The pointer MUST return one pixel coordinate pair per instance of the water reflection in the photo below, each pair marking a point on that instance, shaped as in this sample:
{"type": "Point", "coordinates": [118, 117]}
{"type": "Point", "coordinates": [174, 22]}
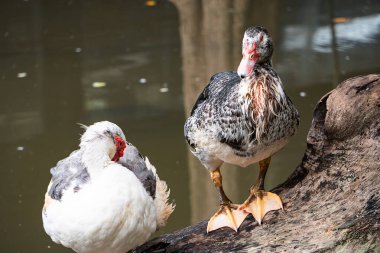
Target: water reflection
{"type": "Point", "coordinates": [203, 26]}
{"type": "Point", "coordinates": [349, 33]}
{"type": "Point", "coordinates": [142, 67]}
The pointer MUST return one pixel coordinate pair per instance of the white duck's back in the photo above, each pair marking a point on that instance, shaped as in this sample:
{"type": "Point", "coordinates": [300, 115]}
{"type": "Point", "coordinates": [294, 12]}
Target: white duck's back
{"type": "Point", "coordinates": [110, 213]}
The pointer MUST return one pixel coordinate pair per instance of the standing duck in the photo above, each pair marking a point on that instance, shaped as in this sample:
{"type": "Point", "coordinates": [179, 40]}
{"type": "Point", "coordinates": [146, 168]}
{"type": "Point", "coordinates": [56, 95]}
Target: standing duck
{"type": "Point", "coordinates": [104, 197]}
{"type": "Point", "coordinates": [242, 118]}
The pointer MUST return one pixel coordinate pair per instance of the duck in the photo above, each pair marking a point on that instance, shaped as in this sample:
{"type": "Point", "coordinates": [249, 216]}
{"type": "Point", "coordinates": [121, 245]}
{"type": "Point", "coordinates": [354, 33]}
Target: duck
{"type": "Point", "coordinates": [105, 196]}
{"type": "Point", "coordinates": [243, 117]}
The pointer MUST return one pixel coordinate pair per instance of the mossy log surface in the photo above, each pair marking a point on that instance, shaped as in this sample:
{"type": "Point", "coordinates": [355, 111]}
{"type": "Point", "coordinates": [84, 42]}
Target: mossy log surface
{"type": "Point", "coordinates": [332, 199]}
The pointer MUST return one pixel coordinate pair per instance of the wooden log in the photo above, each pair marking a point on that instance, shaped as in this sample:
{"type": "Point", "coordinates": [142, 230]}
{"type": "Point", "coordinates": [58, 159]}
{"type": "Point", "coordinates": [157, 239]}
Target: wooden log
{"type": "Point", "coordinates": [331, 201]}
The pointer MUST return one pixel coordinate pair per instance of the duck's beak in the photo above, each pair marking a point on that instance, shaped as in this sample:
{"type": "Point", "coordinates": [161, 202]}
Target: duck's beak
{"type": "Point", "coordinates": [246, 66]}
{"type": "Point", "coordinates": [250, 57]}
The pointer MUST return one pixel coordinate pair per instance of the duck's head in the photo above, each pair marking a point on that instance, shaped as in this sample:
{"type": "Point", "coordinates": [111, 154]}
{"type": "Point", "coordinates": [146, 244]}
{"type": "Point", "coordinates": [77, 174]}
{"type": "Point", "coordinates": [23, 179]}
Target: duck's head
{"type": "Point", "coordinates": [105, 137]}
{"type": "Point", "coordinates": [257, 48]}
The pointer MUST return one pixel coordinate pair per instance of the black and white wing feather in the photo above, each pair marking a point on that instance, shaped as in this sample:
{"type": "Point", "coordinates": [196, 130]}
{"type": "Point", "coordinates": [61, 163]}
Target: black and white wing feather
{"type": "Point", "coordinates": [69, 174]}
{"type": "Point", "coordinates": [134, 161]}
{"type": "Point", "coordinates": [218, 109]}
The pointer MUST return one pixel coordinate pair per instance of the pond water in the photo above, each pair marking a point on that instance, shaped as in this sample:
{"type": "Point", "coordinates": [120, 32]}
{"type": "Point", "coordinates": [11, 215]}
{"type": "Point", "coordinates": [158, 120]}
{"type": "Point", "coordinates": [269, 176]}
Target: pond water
{"type": "Point", "coordinates": [141, 64]}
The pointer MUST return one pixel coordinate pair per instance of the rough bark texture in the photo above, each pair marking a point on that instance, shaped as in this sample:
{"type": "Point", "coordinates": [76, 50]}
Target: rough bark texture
{"type": "Point", "coordinates": [331, 201]}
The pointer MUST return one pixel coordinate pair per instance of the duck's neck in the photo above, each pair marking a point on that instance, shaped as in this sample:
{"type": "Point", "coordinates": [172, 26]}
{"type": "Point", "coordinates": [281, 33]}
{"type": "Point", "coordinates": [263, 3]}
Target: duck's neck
{"type": "Point", "coordinates": [265, 64]}
{"type": "Point", "coordinates": [96, 157]}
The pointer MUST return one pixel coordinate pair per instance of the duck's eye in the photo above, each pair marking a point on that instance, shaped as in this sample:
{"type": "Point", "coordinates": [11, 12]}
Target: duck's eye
{"type": "Point", "coordinates": [251, 56]}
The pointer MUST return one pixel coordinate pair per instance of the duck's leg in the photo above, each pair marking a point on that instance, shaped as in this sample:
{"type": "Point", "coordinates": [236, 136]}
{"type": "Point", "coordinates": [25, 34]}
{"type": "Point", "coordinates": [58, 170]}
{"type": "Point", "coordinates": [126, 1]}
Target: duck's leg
{"type": "Point", "coordinates": [259, 201]}
{"type": "Point", "coordinates": [228, 214]}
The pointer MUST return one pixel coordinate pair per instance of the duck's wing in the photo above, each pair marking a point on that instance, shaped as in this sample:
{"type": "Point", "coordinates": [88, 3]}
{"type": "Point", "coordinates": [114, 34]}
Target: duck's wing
{"type": "Point", "coordinates": [135, 162]}
{"type": "Point", "coordinates": [69, 173]}
{"type": "Point", "coordinates": [218, 83]}
{"type": "Point", "coordinates": [234, 127]}
{"type": "Point", "coordinates": [147, 174]}
{"type": "Point", "coordinates": [219, 108]}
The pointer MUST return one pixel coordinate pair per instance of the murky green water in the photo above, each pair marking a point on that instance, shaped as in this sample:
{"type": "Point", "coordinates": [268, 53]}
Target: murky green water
{"type": "Point", "coordinates": [63, 62]}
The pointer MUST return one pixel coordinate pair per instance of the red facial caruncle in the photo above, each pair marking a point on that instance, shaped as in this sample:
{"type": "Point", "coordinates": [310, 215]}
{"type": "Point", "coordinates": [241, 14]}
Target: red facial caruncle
{"type": "Point", "coordinates": [120, 146]}
{"type": "Point", "coordinates": [252, 53]}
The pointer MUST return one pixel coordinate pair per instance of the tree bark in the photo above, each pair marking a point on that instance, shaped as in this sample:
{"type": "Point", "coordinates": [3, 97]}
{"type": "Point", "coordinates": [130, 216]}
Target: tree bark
{"type": "Point", "coordinates": [332, 199]}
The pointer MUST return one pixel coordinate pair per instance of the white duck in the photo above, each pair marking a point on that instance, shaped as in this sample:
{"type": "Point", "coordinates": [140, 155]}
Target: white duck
{"type": "Point", "coordinates": [96, 203]}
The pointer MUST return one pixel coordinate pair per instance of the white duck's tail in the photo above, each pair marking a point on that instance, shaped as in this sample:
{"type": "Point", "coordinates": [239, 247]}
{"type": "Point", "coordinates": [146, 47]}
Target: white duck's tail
{"type": "Point", "coordinates": [163, 208]}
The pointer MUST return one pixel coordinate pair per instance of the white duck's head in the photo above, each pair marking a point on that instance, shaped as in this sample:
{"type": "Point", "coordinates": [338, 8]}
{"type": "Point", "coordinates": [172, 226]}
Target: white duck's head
{"type": "Point", "coordinates": [103, 138]}
{"type": "Point", "coordinates": [257, 48]}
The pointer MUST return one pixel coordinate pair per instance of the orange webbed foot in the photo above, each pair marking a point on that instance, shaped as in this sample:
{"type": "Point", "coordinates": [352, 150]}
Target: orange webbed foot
{"type": "Point", "coordinates": [228, 215]}
{"type": "Point", "coordinates": [260, 202]}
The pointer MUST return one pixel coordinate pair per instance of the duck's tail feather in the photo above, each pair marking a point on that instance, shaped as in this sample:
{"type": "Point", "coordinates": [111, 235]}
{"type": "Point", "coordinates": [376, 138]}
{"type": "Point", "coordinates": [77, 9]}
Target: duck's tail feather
{"type": "Point", "coordinates": [163, 207]}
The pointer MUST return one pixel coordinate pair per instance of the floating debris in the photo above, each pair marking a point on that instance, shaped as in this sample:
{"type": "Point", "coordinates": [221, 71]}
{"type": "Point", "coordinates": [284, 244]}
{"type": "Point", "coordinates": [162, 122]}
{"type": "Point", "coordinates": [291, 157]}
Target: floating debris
{"type": "Point", "coordinates": [347, 58]}
{"type": "Point", "coordinates": [164, 88]}
{"type": "Point", "coordinates": [340, 20]}
{"type": "Point", "coordinates": [150, 3]}
{"type": "Point", "coordinates": [78, 50]}
{"type": "Point", "coordinates": [302, 94]}
{"type": "Point", "coordinates": [20, 148]}
{"type": "Point", "coordinates": [142, 80]}
{"type": "Point", "coordinates": [6, 34]}
{"type": "Point", "coordinates": [99, 84]}
{"type": "Point", "coordinates": [22, 74]}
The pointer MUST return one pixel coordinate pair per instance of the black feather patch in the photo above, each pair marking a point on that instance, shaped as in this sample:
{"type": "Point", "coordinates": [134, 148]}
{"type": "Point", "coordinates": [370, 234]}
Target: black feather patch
{"type": "Point", "coordinates": [233, 143]}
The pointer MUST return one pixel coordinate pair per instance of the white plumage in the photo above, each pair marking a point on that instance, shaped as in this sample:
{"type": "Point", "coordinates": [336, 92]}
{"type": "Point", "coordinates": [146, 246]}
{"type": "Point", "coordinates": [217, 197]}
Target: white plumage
{"type": "Point", "coordinates": [108, 209]}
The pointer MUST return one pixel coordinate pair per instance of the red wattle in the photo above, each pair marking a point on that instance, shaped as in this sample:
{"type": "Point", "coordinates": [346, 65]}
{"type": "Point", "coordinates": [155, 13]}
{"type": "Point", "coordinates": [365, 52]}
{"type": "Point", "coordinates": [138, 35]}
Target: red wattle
{"type": "Point", "coordinates": [120, 146]}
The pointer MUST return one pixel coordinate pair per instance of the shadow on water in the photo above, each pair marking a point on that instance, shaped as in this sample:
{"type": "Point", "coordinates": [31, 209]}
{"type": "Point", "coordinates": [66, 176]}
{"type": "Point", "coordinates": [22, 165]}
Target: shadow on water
{"type": "Point", "coordinates": [142, 67]}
